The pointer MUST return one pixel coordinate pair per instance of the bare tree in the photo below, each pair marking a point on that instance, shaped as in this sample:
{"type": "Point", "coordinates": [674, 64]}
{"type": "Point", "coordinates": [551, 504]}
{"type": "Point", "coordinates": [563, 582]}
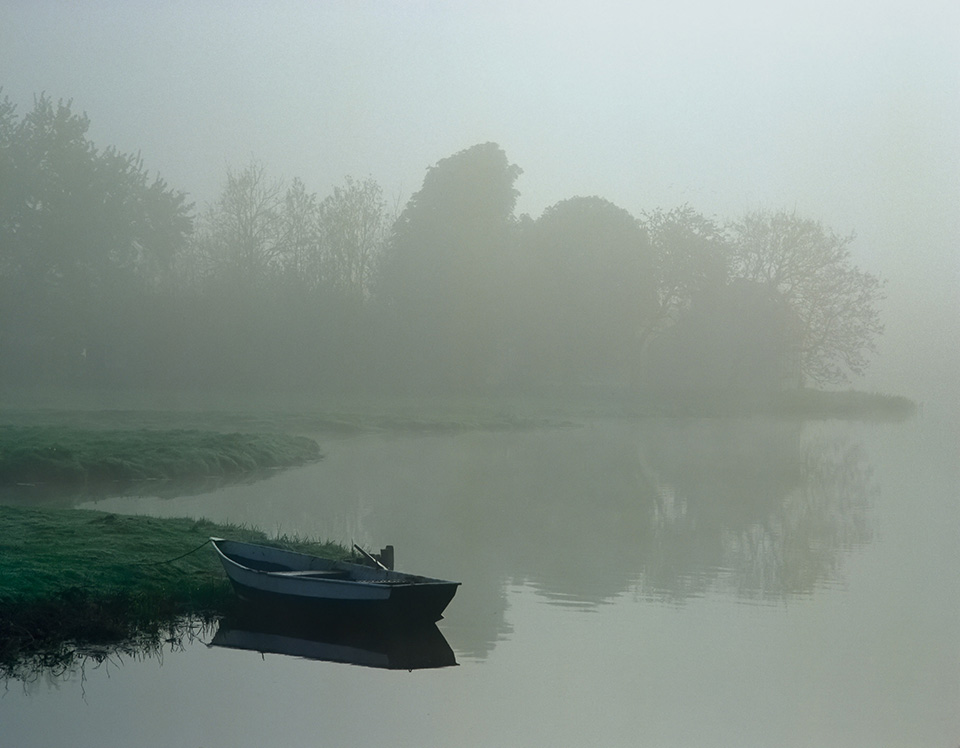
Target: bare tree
{"type": "Point", "coordinates": [242, 230]}
{"type": "Point", "coordinates": [808, 266]}
{"type": "Point", "coordinates": [299, 240]}
{"type": "Point", "coordinates": [353, 225]}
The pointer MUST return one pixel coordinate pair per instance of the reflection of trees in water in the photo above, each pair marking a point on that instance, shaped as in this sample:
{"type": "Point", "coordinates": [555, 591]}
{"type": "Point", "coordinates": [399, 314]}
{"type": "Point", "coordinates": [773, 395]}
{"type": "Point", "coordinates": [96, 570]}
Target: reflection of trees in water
{"type": "Point", "coordinates": [668, 509]}
{"type": "Point", "coordinates": [758, 507]}
{"type": "Point", "coordinates": [542, 508]}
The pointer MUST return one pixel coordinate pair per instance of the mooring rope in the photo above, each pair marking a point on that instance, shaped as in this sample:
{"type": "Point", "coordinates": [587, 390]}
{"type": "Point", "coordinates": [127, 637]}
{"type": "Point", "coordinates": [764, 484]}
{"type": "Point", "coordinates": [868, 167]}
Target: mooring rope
{"type": "Point", "coordinates": [171, 560]}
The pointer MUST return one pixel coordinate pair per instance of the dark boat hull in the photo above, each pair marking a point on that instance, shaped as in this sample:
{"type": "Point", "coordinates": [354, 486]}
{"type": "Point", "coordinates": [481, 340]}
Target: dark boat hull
{"type": "Point", "coordinates": [332, 590]}
{"type": "Point", "coordinates": [411, 605]}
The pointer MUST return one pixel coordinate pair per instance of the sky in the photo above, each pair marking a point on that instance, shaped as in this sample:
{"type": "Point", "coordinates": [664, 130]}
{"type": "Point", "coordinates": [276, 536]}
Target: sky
{"type": "Point", "coordinates": [845, 111]}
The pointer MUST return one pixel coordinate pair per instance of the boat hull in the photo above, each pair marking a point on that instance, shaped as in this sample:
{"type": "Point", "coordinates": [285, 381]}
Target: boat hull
{"type": "Point", "coordinates": [328, 589]}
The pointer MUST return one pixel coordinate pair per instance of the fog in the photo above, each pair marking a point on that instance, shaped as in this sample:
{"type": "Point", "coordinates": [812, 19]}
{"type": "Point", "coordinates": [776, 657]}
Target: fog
{"type": "Point", "coordinates": [845, 113]}
{"type": "Point", "coordinates": [468, 238]}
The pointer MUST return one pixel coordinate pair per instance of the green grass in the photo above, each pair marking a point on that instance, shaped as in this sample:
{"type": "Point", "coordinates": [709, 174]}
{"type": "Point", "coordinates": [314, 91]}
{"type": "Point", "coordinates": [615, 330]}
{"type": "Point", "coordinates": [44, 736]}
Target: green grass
{"type": "Point", "coordinates": [72, 578]}
{"type": "Point", "coordinates": [70, 455]}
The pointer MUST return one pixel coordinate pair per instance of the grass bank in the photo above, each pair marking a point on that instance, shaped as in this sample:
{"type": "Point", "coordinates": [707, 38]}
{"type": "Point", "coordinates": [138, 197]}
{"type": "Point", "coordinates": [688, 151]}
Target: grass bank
{"type": "Point", "coordinates": [74, 578]}
{"type": "Point", "coordinates": [803, 404]}
{"type": "Point", "coordinates": [560, 407]}
{"type": "Point", "coordinates": [549, 407]}
{"type": "Point", "coordinates": [64, 454]}
{"type": "Point", "coordinates": [844, 405]}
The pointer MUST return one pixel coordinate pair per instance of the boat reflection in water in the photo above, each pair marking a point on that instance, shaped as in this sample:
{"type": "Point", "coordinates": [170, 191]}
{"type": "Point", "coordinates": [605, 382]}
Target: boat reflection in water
{"type": "Point", "coordinates": [397, 648]}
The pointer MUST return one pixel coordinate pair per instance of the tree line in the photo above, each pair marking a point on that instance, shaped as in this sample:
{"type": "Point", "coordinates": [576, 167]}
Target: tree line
{"type": "Point", "coordinates": [111, 277]}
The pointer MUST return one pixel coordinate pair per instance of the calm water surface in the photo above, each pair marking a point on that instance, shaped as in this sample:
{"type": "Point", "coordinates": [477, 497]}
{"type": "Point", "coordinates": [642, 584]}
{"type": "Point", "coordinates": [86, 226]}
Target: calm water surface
{"type": "Point", "coordinates": [669, 583]}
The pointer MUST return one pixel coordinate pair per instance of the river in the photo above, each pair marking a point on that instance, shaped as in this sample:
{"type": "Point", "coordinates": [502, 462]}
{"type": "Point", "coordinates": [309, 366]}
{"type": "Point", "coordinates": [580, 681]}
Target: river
{"type": "Point", "coordinates": [715, 582]}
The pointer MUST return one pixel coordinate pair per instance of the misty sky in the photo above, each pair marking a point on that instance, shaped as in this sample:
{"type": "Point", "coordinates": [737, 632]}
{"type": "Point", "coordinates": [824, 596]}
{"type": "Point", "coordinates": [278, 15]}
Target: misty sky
{"type": "Point", "coordinates": [847, 111]}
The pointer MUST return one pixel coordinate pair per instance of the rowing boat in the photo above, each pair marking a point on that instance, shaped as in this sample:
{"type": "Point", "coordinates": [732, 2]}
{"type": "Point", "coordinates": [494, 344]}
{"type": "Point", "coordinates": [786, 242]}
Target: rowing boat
{"type": "Point", "coordinates": [336, 589]}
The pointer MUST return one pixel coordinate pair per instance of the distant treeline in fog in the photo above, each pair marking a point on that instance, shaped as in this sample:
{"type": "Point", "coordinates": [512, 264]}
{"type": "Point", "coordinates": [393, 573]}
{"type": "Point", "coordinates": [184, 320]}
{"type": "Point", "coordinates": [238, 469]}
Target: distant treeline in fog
{"type": "Point", "coordinates": [109, 277]}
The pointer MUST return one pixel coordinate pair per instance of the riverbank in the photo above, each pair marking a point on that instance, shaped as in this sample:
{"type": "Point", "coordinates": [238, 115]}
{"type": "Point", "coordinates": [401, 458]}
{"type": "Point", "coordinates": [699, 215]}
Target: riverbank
{"type": "Point", "coordinates": [318, 415]}
{"type": "Point", "coordinates": [72, 579]}
{"type": "Point", "coordinates": [801, 404]}
{"type": "Point", "coordinates": [68, 454]}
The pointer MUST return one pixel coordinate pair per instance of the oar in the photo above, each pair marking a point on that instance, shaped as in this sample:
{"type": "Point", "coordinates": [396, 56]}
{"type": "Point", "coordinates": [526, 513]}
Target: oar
{"type": "Point", "coordinates": [370, 557]}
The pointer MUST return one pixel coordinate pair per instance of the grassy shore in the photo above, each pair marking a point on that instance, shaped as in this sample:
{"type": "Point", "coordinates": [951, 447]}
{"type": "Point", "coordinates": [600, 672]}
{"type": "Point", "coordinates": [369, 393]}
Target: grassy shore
{"type": "Point", "coordinates": [74, 578]}
{"type": "Point", "coordinates": [64, 454]}
{"type": "Point", "coordinates": [802, 404]}
{"type": "Point", "coordinates": [319, 415]}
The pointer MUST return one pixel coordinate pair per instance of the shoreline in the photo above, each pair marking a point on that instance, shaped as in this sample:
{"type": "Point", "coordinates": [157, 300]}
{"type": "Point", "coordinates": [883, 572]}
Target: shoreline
{"type": "Point", "coordinates": [74, 579]}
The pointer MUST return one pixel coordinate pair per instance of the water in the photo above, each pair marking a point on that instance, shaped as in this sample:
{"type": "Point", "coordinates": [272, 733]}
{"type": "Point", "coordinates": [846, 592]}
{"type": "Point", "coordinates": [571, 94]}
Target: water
{"type": "Point", "coordinates": [673, 583]}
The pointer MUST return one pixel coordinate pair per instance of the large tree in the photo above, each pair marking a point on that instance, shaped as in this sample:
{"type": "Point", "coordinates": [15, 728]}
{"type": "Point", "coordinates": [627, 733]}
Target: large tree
{"type": "Point", "coordinates": [84, 233]}
{"type": "Point", "coordinates": [73, 214]}
{"type": "Point", "coordinates": [589, 288]}
{"type": "Point", "coordinates": [808, 267]}
{"type": "Point", "coordinates": [443, 282]}
{"type": "Point", "coordinates": [689, 261]}
{"type": "Point", "coordinates": [738, 338]}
